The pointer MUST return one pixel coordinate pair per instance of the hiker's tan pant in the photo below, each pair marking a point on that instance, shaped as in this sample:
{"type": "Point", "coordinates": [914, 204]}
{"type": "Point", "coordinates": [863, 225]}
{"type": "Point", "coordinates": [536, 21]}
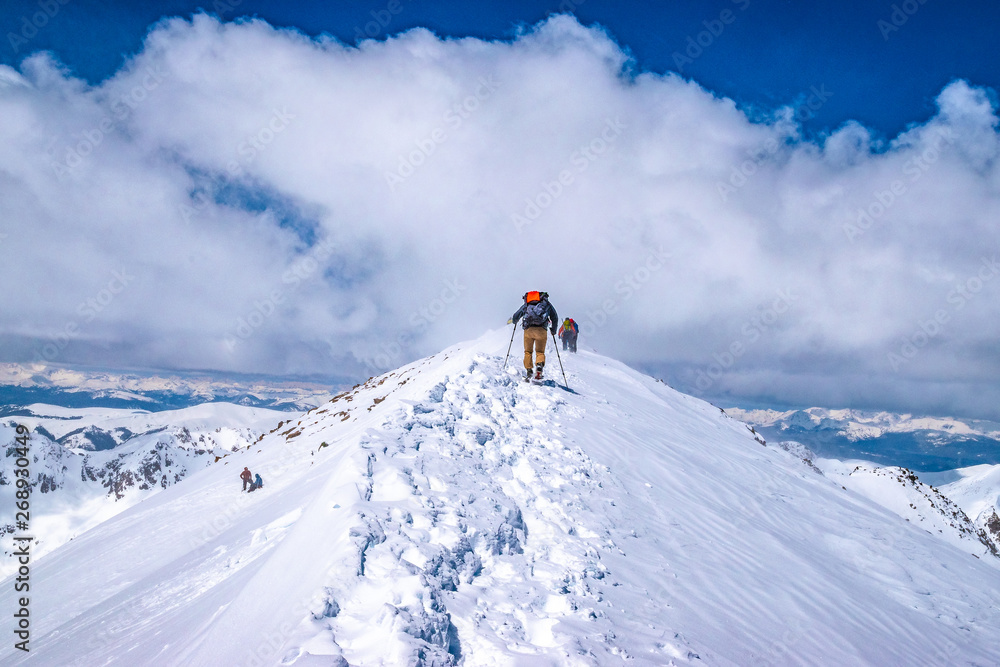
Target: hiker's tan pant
{"type": "Point", "coordinates": [534, 337]}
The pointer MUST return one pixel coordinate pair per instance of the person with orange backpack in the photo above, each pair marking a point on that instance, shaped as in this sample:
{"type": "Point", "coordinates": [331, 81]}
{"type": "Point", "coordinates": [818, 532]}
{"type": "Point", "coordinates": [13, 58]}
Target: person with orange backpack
{"type": "Point", "coordinates": [538, 315]}
{"type": "Point", "coordinates": [568, 333]}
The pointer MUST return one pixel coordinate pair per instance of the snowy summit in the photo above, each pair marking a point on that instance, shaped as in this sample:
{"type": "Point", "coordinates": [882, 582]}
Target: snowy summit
{"type": "Point", "coordinates": [448, 513]}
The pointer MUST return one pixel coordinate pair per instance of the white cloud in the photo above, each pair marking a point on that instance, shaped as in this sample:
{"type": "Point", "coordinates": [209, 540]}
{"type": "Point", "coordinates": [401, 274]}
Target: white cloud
{"type": "Point", "coordinates": [340, 205]}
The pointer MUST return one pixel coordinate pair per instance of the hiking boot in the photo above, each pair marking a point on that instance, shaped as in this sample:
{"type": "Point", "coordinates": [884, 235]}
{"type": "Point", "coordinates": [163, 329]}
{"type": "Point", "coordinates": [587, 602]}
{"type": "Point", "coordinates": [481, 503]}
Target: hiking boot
{"type": "Point", "coordinates": [527, 374]}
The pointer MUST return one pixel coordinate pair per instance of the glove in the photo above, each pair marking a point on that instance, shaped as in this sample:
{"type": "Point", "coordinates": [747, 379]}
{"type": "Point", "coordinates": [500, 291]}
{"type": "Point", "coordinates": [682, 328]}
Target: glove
{"type": "Point", "coordinates": [553, 330]}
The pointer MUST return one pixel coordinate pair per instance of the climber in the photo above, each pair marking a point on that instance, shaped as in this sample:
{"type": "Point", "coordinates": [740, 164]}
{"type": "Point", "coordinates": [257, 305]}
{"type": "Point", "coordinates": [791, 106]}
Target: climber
{"type": "Point", "coordinates": [568, 332]}
{"type": "Point", "coordinates": [538, 315]}
{"type": "Point", "coordinates": [246, 476]}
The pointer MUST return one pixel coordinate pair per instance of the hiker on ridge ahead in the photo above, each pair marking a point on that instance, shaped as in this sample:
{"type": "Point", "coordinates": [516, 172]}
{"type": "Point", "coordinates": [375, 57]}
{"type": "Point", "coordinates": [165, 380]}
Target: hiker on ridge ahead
{"type": "Point", "coordinates": [539, 315]}
{"type": "Point", "coordinates": [568, 333]}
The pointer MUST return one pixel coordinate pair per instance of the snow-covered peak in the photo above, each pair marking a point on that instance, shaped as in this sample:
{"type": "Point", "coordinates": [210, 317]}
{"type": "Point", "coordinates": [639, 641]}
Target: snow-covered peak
{"type": "Point", "coordinates": [447, 513]}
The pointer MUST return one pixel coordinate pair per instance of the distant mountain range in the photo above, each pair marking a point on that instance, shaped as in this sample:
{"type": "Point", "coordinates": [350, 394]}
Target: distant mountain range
{"type": "Point", "coordinates": [89, 464]}
{"type": "Point", "coordinates": [25, 384]}
{"type": "Point", "coordinates": [929, 444]}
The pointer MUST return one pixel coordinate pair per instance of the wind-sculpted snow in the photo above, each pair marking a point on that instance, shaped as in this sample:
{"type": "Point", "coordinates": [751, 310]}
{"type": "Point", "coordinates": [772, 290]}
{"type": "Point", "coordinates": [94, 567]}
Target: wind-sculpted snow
{"type": "Point", "coordinates": [449, 514]}
{"type": "Point", "coordinates": [464, 496]}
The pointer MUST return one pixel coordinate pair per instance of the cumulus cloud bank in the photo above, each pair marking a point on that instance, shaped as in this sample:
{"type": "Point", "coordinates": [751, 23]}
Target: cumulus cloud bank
{"type": "Point", "coordinates": [244, 198]}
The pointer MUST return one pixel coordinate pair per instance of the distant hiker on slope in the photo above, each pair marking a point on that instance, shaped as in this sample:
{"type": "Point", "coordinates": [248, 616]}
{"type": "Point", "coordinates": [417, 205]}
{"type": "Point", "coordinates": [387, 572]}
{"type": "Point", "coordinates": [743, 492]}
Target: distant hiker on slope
{"type": "Point", "coordinates": [539, 315]}
{"type": "Point", "coordinates": [256, 483]}
{"type": "Point", "coordinates": [246, 476]}
{"type": "Point", "coordinates": [568, 333]}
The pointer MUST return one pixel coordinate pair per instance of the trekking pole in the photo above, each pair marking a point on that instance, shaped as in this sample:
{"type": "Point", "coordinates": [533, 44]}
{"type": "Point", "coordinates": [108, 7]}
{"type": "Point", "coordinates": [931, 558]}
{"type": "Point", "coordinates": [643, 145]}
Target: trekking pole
{"type": "Point", "coordinates": [514, 331]}
{"type": "Point", "coordinates": [559, 357]}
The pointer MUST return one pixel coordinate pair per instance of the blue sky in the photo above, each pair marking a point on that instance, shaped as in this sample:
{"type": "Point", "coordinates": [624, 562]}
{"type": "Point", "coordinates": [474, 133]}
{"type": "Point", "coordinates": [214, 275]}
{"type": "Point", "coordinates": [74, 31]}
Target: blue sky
{"type": "Point", "coordinates": [882, 62]}
{"type": "Point", "coordinates": [764, 203]}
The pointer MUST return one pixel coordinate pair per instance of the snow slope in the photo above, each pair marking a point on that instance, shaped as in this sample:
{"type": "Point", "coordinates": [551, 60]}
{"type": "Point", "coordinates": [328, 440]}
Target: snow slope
{"type": "Point", "coordinates": [900, 491]}
{"type": "Point", "coordinates": [447, 513]}
{"type": "Point", "coordinates": [976, 488]}
{"type": "Point", "coordinates": [75, 488]}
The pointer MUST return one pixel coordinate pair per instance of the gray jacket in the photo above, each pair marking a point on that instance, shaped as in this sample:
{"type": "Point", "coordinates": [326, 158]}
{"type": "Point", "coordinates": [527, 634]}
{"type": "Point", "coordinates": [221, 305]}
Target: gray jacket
{"type": "Point", "coordinates": [549, 314]}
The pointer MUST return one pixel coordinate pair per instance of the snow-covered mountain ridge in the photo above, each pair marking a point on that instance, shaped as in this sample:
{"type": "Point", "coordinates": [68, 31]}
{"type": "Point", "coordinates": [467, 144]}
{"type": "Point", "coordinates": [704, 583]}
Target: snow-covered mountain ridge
{"type": "Point", "coordinates": [916, 500]}
{"type": "Point", "coordinates": [447, 513]}
{"type": "Point", "coordinates": [959, 505]}
{"type": "Point", "coordinates": [976, 490]}
{"type": "Point", "coordinates": [89, 464]}
{"type": "Point", "coordinates": [900, 491]}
